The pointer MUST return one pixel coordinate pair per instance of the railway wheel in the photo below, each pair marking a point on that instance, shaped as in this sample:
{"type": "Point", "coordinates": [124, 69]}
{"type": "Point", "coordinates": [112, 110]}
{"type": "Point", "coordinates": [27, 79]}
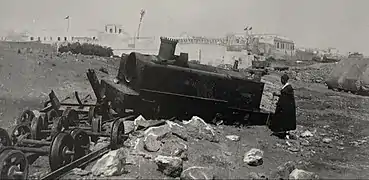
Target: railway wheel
{"type": "Point", "coordinates": [117, 136]}
{"type": "Point", "coordinates": [4, 138]}
{"type": "Point", "coordinates": [26, 117]}
{"type": "Point", "coordinates": [36, 128]}
{"type": "Point", "coordinates": [81, 143]}
{"type": "Point", "coordinates": [14, 165]}
{"type": "Point", "coordinates": [61, 151]}
{"type": "Point", "coordinates": [18, 131]}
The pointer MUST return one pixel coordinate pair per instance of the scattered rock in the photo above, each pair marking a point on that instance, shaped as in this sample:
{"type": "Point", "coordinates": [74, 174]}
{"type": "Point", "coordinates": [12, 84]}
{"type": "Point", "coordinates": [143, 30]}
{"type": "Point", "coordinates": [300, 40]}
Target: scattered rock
{"type": "Point", "coordinates": [302, 174]}
{"type": "Point", "coordinates": [174, 147]}
{"type": "Point", "coordinates": [178, 130]}
{"type": "Point", "coordinates": [283, 171]}
{"type": "Point", "coordinates": [141, 123]}
{"type": "Point", "coordinates": [151, 143]}
{"type": "Point", "coordinates": [111, 164]}
{"type": "Point", "coordinates": [254, 157]}
{"type": "Point", "coordinates": [197, 172]}
{"type": "Point", "coordinates": [293, 149]}
{"type": "Point", "coordinates": [199, 129]}
{"type": "Point", "coordinates": [138, 121]}
{"type": "Point", "coordinates": [254, 175]}
{"type": "Point", "coordinates": [38, 175]}
{"type": "Point", "coordinates": [307, 134]}
{"type": "Point", "coordinates": [130, 159]}
{"type": "Point", "coordinates": [170, 166]}
{"type": "Point", "coordinates": [233, 137]}
{"type": "Point", "coordinates": [326, 126]}
{"type": "Point", "coordinates": [327, 140]}
{"type": "Point", "coordinates": [305, 142]}
{"type": "Point", "coordinates": [98, 145]}
{"type": "Point", "coordinates": [129, 127]}
{"type": "Point", "coordinates": [159, 131]}
{"type": "Point", "coordinates": [80, 172]}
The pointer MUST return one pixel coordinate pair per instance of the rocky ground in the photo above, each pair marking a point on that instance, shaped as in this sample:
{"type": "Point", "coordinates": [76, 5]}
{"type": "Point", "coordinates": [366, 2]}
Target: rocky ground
{"type": "Point", "coordinates": [330, 142]}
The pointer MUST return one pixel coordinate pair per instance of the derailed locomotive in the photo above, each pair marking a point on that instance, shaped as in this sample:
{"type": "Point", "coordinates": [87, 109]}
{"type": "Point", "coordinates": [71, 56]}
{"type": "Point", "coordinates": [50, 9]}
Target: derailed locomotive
{"type": "Point", "coordinates": [168, 85]}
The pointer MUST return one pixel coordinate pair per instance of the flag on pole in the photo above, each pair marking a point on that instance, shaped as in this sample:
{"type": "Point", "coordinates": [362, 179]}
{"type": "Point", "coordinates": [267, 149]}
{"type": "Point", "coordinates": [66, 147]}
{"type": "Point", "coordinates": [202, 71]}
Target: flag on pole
{"type": "Point", "coordinates": [66, 17]}
{"type": "Point", "coordinates": [142, 13]}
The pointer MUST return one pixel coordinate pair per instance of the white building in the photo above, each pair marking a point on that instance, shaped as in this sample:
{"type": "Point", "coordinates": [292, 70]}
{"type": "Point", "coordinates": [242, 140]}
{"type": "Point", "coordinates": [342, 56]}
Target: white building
{"type": "Point", "coordinates": [113, 35]}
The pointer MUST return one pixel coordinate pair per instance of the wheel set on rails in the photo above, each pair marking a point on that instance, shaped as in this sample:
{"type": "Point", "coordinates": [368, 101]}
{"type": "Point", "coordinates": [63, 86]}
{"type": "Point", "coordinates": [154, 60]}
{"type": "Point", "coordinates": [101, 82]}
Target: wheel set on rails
{"type": "Point", "coordinates": [64, 135]}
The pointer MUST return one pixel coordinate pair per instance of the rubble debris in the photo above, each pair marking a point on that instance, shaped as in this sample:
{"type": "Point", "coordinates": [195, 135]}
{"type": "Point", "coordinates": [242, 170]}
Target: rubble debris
{"type": "Point", "coordinates": [178, 130]}
{"type": "Point", "coordinates": [38, 175]}
{"type": "Point", "coordinates": [312, 74]}
{"type": "Point", "coordinates": [293, 149]}
{"type": "Point", "coordinates": [302, 174]}
{"type": "Point", "coordinates": [304, 142]}
{"type": "Point", "coordinates": [306, 133]}
{"type": "Point", "coordinates": [137, 121]}
{"type": "Point", "coordinates": [111, 164]}
{"type": "Point", "coordinates": [233, 137]}
{"type": "Point", "coordinates": [254, 176]}
{"type": "Point", "coordinates": [357, 143]}
{"type": "Point", "coordinates": [129, 127]}
{"type": "Point", "coordinates": [80, 172]}
{"type": "Point", "coordinates": [326, 126]}
{"type": "Point", "coordinates": [327, 140]}
{"type": "Point", "coordinates": [151, 143]}
{"type": "Point", "coordinates": [254, 157]}
{"type": "Point", "coordinates": [170, 166]}
{"type": "Point", "coordinates": [141, 123]}
{"type": "Point", "coordinates": [199, 129]}
{"type": "Point", "coordinates": [293, 146]}
{"type": "Point", "coordinates": [99, 145]}
{"type": "Point", "coordinates": [131, 158]}
{"type": "Point", "coordinates": [197, 172]}
{"type": "Point", "coordinates": [283, 171]}
{"type": "Point", "coordinates": [174, 147]}
{"type": "Point", "coordinates": [159, 131]}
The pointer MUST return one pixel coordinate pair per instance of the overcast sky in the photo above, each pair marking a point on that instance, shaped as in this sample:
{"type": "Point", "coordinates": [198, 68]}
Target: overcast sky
{"type": "Point", "coordinates": [313, 23]}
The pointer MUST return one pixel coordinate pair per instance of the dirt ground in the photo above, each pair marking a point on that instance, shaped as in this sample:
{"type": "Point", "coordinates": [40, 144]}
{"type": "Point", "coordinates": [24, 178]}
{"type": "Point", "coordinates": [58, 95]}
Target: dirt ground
{"type": "Point", "coordinates": [26, 77]}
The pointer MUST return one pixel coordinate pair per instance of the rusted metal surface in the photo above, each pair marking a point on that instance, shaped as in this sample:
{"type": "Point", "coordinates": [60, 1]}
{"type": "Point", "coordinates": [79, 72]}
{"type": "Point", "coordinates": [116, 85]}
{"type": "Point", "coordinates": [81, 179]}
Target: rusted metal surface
{"type": "Point", "coordinates": [162, 86]}
{"type": "Point", "coordinates": [95, 84]}
{"type": "Point", "coordinates": [193, 82]}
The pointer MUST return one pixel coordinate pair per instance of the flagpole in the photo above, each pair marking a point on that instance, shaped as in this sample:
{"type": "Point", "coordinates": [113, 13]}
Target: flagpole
{"type": "Point", "coordinates": [67, 18]}
{"type": "Point", "coordinates": [68, 25]}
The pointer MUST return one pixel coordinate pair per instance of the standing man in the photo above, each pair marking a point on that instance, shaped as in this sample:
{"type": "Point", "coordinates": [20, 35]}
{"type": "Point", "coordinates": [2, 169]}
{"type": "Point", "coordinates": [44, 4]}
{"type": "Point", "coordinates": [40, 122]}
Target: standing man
{"type": "Point", "coordinates": [284, 118]}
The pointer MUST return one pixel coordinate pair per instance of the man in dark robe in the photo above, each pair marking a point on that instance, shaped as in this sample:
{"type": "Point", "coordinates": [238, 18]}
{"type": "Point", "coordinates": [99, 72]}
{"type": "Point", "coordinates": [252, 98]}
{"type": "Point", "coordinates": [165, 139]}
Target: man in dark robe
{"type": "Point", "coordinates": [284, 118]}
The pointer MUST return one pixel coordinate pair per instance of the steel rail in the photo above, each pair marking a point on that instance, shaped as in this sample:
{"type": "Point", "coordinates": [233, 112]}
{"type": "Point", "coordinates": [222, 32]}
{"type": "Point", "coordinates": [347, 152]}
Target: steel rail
{"type": "Point", "coordinates": [57, 174]}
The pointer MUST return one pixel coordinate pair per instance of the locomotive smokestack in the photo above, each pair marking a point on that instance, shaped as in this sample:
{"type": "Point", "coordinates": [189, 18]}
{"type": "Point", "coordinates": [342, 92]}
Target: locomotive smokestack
{"type": "Point", "coordinates": [167, 48]}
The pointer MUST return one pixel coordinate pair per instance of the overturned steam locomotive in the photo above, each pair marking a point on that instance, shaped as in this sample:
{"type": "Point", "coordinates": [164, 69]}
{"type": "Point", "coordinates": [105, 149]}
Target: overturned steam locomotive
{"type": "Point", "coordinates": [168, 85]}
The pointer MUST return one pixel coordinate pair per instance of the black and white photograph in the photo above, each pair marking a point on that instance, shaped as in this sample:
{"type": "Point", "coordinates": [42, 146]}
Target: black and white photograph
{"type": "Point", "coordinates": [184, 89]}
